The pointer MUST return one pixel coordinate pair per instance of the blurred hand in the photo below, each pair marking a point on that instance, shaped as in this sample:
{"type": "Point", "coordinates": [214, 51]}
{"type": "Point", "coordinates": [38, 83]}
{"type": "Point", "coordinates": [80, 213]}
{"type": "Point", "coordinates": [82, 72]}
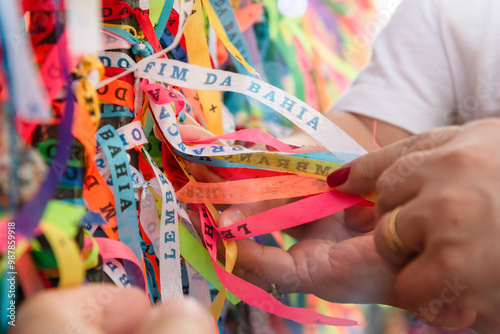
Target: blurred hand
{"type": "Point", "coordinates": [105, 308]}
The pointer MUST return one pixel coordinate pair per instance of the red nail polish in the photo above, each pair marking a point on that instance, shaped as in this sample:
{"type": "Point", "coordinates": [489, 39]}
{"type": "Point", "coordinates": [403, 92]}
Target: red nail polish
{"type": "Point", "coordinates": [338, 177]}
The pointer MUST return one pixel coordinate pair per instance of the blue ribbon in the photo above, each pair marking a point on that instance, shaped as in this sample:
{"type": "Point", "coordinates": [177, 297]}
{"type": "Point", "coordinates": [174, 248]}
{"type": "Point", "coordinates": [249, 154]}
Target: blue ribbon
{"type": "Point", "coordinates": [177, 52]}
{"type": "Point", "coordinates": [123, 189]}
{"type": "Point", "coordinates": [225, 12]}
{"type": "Point", "coordinates": [164, 16]}
{"type": "Point", "coordinates": [114, 110]}
{"type": "Point", "coordinates": [28, 217]}
{"type": "Point", "coordinates": [321, 156]}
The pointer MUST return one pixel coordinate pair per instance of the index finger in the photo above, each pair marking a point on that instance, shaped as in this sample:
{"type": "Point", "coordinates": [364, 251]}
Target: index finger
{"type": "Point", "coordinates": [364, 172]}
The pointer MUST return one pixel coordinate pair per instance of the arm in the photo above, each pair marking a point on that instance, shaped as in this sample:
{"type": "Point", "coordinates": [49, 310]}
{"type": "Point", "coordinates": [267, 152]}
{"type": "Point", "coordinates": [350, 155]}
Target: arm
{"type": "Point", "coordinates": [358, 127]}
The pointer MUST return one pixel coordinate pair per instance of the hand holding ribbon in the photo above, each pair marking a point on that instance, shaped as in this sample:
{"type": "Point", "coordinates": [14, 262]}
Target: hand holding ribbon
{"type": "Point", "coordinates": [445, 184]}
{"type": "Point", "coordinates": [331, 259]}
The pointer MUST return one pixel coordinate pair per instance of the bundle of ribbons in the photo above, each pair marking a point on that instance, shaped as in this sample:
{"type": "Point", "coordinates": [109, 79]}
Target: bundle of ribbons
{"type": "Point", "coordinates": [96, 196]}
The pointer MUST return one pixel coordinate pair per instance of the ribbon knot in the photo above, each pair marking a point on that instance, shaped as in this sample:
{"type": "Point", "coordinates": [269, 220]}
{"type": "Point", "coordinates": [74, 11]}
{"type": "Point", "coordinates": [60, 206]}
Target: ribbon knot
{"type": "Point", "coordinates": [143, 48]}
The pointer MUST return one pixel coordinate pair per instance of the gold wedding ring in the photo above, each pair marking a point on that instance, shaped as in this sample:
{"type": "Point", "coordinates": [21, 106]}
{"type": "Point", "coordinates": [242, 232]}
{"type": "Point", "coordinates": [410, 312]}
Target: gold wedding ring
{"type": "Point", "coordinates": [275, 292]}
{"type": "Point", "coordinates": [391, 236]}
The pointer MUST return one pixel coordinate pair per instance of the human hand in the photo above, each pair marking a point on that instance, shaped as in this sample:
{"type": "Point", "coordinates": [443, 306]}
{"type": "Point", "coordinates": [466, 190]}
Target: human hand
{"type": "Point", "coordinates": [332, 259]}
{"type": "Point", "coordinates": [446, 182]}
{"type": "Point", "coordinates": [107, 309]}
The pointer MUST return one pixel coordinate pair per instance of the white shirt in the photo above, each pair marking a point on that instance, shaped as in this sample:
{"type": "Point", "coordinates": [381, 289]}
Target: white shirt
{"type": "Point", "coordinates": [436, 63]}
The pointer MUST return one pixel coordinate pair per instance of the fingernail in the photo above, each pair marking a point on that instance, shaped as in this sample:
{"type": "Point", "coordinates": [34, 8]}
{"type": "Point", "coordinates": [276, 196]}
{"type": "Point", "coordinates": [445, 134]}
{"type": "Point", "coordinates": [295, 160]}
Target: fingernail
{"type": "Point", "coordinates": [226, 222]}
{"type": "Point", "coordinates": [270, 148]}
{"type": "Point", "coordinates": [339, 177]}
{"type": "Point", "coordinates": [230, 217]}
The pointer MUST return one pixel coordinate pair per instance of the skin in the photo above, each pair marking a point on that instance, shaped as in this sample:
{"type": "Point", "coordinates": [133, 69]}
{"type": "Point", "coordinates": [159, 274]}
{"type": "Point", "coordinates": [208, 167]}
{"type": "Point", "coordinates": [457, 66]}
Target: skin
{"type": "Point", "coordinates": [107, 309]}
{"type": "Point", "coordinates": [447, 186]}
{"type": "Point", "coordinates": [334, 256]}
{"type": "Point", "coordinates": [346, 237]}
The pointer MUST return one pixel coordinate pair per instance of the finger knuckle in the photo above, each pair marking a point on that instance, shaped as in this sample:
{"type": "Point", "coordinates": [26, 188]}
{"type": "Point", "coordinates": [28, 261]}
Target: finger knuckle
{"type": "Point", "coordinates": [416, 159]}
{"type": "Point", "coordinates": [462, 157]}
{"type": "Point", "coordinates": [449, 261]}
{"type": "Point", "coordinates": [447, 201]}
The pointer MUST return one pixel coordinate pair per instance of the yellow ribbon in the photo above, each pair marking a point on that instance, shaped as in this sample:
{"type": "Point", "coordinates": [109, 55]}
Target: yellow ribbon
{"type": "Point", "coordinates": [86, 95]}
{"type": "Point", "coordinates": [214, 20]}
{"type": "Point", "coordinates": [67, 254]}
{"type": "Point", "coordinates": [197, 50]}
{"type": "Point", "coordinates": [126, 27]}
